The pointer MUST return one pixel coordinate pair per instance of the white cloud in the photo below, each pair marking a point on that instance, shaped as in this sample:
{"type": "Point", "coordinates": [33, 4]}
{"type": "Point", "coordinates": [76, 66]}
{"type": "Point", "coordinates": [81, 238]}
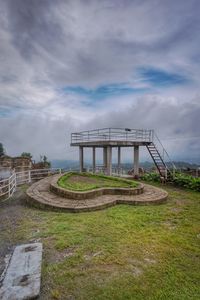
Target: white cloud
{"type": "Point", "coordinates": [46, 46]}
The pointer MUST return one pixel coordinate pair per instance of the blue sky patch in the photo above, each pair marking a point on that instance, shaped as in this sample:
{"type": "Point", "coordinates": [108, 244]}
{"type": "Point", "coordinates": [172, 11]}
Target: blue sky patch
{"type": "Point", "coordinates": [4, 112]}
{"type": "Point", "coordinates": [8, 111]}
{"type": "Point", "coordinates": [158, 77]}
{"type": "Point", "coordinates": [104, 91]}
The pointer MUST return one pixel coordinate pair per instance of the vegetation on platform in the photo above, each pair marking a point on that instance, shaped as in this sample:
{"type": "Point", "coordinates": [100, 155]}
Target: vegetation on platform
{"type": "Point", "coordinates": [123, 252]}
{"type": "Point", "coordinates": [86, 181]}
{"type": "Point", "coordinates": [180, 180]}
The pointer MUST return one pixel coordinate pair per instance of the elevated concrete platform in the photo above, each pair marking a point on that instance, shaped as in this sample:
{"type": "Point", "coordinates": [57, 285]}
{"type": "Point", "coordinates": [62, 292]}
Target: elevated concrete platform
{"type": "Point", "coordinates": [100, 143]}
{"type": "Point", "coordinates": [108, 138]}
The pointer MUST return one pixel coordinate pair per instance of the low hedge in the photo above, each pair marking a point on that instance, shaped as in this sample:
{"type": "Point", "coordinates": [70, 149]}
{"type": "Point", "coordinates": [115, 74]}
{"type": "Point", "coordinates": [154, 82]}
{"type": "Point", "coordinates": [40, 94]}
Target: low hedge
{"type": "Point", "coordinates": [178, 179]}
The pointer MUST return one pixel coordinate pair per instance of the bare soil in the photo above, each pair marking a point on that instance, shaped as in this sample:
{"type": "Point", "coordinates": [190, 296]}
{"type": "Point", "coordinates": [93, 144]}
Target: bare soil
{"type": "Point", "coordinates": [11, 212]}
{"type": "Point", "coordinates": [83, 179]}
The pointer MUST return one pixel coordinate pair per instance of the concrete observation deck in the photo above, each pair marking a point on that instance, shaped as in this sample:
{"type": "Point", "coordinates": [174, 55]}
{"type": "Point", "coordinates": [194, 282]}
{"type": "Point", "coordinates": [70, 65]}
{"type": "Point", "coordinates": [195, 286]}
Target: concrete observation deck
{"type": "Point", "coordinates": [107, 138]}
{"type": "Point", "coordinates": [114, 137]}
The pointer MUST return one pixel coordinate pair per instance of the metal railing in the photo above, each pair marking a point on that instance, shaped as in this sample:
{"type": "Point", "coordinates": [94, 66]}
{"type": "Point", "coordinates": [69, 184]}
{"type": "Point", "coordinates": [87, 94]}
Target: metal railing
{"type": "Point", "coordinates": [113, 134]}
{"type": "Point", "coordinates": [101, 169]}
{"type": "Point", "coordinates": [8, 185]}
{"type": "Point", "coordinates": [164, 154]}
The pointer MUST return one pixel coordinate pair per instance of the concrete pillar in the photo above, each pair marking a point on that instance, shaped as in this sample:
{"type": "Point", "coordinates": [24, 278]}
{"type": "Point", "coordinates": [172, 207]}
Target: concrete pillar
{"type": "Point", "coordinates": [109, 160]}
{"type": "Point", "coordinates": [119, 159]}
{"type": "Point", "coordinates": [136, 161]}
{"type": "Point", "coordinates": [105, 158]}
{"type": "Point", "coordinates": [81, 158]}
{"type": "Point", "coordinates": [93, 159]}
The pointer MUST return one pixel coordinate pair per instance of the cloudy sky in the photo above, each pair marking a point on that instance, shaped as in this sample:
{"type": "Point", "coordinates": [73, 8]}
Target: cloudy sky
{"type": "Point", "coordinates": [67, 66]}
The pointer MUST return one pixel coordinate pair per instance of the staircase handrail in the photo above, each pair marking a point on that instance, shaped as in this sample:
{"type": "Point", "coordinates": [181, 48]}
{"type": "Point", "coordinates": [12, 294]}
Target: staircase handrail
{"type": "Point", "coordinates": [165, 151]}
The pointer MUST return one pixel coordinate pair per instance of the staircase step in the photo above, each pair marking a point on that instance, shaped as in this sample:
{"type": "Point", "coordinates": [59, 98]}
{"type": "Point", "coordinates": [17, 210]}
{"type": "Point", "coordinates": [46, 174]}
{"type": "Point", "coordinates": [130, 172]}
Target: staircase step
{"type": "Point", "coordinates": [158, 161]}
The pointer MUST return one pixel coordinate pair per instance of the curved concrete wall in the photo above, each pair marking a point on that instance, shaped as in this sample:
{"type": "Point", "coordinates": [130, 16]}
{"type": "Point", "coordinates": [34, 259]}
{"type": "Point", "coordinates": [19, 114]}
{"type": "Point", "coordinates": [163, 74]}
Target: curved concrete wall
{"type": "Point", "coordinates": [55, 188]}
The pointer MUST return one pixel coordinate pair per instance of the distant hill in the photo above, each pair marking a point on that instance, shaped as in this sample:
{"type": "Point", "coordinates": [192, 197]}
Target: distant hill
{"type": "Point", "coordinates": [64, 164]}
{"type": "Point", "coordinates": [147, 165]}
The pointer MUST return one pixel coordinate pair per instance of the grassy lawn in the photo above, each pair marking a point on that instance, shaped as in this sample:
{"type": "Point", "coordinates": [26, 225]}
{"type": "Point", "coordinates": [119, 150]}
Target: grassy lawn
{"type": "Point", "coordinates": [86, 181]}
{"type": "Point", "coordinates": [124, 252]}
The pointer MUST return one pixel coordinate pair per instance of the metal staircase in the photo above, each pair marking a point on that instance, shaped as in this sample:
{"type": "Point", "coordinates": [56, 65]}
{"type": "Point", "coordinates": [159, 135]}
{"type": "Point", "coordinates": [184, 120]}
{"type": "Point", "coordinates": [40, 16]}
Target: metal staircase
{"type": "Point", "coordinates": [160, 164]}
{"type": "Point", "coordinates": [165, 169]}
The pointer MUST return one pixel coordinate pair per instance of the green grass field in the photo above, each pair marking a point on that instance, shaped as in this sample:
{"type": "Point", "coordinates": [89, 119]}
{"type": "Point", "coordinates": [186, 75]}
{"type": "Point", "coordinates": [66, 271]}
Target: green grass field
{"type": "Point", "coordinates": [124, 252]}
{"type": "Point", "coordinates": [86, 181]}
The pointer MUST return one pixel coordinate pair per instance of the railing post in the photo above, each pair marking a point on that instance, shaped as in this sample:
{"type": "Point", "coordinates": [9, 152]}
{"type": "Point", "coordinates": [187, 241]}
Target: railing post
{"type": "Point", "coordinates": [60, 171]}
{"type": "Point", "coordinates": [15, 181]}
{"type": "Point", "coordinates": [9, 187]}
{"type": "Point", "coordinates": [29, 176]}
{"type": "Point", "coordinates": [152, 135]}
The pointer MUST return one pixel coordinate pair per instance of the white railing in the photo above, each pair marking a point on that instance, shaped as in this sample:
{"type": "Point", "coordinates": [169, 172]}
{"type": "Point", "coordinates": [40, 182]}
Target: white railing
{"type": "Point", "coordinates": [102, 170]}
{"type": "Point", "coordinates": [8, 185]}
{"type": "Point", "coordinates": [112, 134]}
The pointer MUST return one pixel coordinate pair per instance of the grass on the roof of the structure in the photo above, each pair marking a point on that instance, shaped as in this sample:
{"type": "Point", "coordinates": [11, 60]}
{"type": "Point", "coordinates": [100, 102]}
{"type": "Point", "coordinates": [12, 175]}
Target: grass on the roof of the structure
{"type": "Point", "coordinates": [124, 252]}
{"type": "Point", "coordinates": [87, 181]}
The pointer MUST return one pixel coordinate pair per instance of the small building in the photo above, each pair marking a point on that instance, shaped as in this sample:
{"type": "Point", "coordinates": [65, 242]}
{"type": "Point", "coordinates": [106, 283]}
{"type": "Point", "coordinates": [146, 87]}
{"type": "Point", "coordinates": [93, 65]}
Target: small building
{"type": "Point", "coordinates": [17, 163]}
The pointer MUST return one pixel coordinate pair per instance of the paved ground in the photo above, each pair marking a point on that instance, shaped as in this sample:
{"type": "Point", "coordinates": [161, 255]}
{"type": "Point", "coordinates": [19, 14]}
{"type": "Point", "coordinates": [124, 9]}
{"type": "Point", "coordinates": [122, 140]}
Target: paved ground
{"type": "Point", "coordinates": [39, 194]}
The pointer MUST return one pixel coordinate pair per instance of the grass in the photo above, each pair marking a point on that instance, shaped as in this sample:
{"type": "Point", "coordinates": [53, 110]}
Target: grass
{"type": "Point", "coordinates": [124, 252]}
{"type": "Point", "coordinates": [86, 181]}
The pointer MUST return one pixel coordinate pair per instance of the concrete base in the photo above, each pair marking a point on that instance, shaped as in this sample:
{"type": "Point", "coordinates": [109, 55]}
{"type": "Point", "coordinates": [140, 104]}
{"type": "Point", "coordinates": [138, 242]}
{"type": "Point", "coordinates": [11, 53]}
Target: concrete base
{"type": "Point", "coordinates": [40, 196]}
{"type": "Point", "coordinates": [136, 162]}
{"type": "Point", "coordinates": [22, 280]}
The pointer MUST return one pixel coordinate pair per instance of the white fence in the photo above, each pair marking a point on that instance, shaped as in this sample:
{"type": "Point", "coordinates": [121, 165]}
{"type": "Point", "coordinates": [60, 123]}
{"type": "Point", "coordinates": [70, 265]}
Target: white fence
{"type": "Point", "coordinates": [8, 185]}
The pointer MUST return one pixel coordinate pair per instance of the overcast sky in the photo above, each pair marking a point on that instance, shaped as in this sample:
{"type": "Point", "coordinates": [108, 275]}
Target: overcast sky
{"type": "Point", "coordinates": [67, 66]}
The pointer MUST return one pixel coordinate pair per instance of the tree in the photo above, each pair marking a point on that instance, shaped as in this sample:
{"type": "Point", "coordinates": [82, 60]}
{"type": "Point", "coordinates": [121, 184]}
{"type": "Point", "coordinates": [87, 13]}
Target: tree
{"type": "Point", "coordinates": [2, 151]}
{"type": "Point", "coordinates": [26, 154]}
{"type": "Point", "coordinates": [44, 160]}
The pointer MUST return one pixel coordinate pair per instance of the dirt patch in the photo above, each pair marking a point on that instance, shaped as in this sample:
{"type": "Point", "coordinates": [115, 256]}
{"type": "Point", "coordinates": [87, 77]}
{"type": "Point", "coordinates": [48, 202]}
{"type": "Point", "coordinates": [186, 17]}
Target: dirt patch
{"type": "Point", "coordinates": [12, 212]}
{"type": "Point", "coordinates": [83, 179]}
{"type": "Point", "coordinates": [89, 256]}
{"type": "Point", "coordinates": [54, 256]}
{"type": "Point", "coordinates": [89, 181]}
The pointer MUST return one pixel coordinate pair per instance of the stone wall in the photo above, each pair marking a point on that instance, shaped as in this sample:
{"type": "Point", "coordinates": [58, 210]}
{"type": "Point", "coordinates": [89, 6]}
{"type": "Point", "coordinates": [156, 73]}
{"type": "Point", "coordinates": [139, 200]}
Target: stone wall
{"type": "Point", "coordinates": [17, 163]}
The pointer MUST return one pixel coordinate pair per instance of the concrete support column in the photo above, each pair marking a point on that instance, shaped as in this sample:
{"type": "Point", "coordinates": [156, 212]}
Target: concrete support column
{"type": "Point", "coordinates": [105, 158]}
{"type": "Point", "coordinates": [136, 161]}
{"type": "Point", "coordinates": [81, 158]}
{"type": "Point", "coordinates": [93, 159]}
{"type": "Point", "coordinates": [119, 159]}
{"type": "Point", "coordinates": [109, 160]}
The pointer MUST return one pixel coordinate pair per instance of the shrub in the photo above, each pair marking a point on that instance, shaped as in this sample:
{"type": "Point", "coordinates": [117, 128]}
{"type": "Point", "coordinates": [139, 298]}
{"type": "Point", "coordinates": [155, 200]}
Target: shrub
{"type": "Point", "coordinates": [178, 179]}
{"type": "Point", "coordinates": [187, 181]}
{"type": "Point", "coordinates": [151, 177]}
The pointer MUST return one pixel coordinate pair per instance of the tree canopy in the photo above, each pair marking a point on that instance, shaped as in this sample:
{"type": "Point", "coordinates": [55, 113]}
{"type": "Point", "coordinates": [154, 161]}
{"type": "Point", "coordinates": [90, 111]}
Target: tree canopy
{"type": "Point", "coordinates": [26, 154]}
{"type": "Point", "coordinates": [2, 150]}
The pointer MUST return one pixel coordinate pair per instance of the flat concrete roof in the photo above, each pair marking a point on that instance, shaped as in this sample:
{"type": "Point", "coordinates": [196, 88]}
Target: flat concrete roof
{"type": "Point", "coordinates": [100, 144]}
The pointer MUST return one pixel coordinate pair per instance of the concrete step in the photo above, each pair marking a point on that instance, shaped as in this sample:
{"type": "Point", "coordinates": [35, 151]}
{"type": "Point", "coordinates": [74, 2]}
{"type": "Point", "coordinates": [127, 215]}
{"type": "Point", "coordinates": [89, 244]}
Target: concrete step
{"type": "Point", "coordinates": [23, 275]}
